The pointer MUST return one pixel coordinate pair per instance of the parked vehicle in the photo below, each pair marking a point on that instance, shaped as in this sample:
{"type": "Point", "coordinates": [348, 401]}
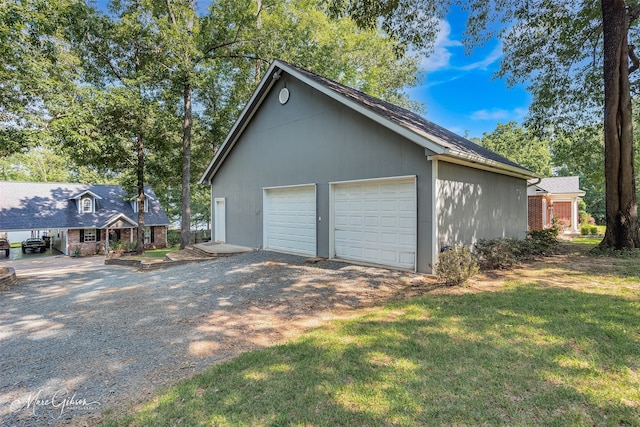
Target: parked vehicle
{"type": "Point", "coordinates": [34, 244]}
{"type": "Point", "coordinates": [5, 246]}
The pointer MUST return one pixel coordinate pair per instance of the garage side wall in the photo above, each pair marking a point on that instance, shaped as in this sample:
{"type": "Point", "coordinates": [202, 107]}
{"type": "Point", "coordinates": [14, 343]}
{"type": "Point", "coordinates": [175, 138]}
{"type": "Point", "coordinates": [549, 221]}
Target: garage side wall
{"type": "Point", "coordinates": [313, 139]}
{"type": "Point", "coordinates": [476, 204]}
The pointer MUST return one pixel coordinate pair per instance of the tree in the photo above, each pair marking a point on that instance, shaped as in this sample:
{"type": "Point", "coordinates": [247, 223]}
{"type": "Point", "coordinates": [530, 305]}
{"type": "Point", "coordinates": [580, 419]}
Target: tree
{"type": "Point", "coordinates": [575, 54]}
{"type": "Point", "coordinates": [115, 108]}
{"type": "Point", "coordinates": [34, 68]}
{"type": "Point", "coordinates": [521, 146]}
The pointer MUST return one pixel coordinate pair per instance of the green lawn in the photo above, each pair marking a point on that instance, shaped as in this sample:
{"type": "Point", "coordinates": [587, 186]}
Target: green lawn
{"type": "Point", "coordinates": [159, 253]}
{"type": "Point", "coordinates": [555, 343]}
{"type": "Point", "coordinates": [592, 241]}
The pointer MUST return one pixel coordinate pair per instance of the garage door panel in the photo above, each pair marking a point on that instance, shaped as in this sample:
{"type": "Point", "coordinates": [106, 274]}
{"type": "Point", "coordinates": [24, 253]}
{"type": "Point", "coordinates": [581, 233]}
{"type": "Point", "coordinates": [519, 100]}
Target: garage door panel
{"type": "Point", "coordinates": [290, 224]}
{"type": "Point", "coordinates": [378, 224]}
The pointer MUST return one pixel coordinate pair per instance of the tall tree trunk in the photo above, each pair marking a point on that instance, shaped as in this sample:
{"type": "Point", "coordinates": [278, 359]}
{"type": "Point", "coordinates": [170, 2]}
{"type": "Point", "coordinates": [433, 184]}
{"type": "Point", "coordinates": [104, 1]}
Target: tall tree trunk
{"type": "Point", "coordinates": [141, 195]}
{"type": "Point", "coordinates": [622, 207]}
{"type": "Point", "coordinates": [185, 234]}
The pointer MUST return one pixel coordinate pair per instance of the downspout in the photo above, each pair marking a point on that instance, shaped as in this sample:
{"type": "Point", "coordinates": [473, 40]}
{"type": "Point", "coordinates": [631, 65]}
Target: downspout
{"type": "Point", "coordinates": [534, 183]}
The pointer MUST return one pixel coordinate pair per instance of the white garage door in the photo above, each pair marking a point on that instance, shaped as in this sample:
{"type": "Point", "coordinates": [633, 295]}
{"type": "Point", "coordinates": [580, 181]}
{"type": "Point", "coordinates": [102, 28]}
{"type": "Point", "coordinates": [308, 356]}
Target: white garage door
{"type": "Point", "coordinates": [375, 221]}
{"type": "Point", "coordinates": [290, 219]}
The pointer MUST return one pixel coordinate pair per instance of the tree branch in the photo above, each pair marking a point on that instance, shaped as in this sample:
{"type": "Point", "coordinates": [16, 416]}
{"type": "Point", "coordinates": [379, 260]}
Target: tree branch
{"type": "Point", "coordinates": [171, 14]}
{"type": "Point", "coordinates": [107, 61]}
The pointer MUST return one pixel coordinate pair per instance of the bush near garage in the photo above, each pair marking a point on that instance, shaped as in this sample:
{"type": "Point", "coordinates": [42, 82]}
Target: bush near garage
{"type": "Point", "coordinates": [502, 254]}
{"type": "Point", "coordinates": [456, 266]}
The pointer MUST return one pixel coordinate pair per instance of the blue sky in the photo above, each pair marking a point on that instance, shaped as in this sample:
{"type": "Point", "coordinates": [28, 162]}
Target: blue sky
{"type": "Point", "coordinates": [460, 92]}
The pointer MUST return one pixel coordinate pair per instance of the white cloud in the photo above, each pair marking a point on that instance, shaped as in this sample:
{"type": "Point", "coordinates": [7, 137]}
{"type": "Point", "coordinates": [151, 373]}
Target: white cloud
{"type": "Point", "coordinates": [493, 114]}
{"type": "Point", "coordinates": [516, 114]}
{"type": "Point", "coordinates": [441, 55]}
{"type": "Point", "coordinates": [493, 56]}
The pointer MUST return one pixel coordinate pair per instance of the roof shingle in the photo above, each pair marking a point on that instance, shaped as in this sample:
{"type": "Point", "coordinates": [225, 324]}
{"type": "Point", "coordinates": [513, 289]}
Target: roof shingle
{"type": "Point", "coordinates": [38, 206]}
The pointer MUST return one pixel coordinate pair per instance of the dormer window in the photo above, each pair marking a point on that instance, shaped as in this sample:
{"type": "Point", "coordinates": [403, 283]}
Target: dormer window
{"type": "Point", "coordinates": [146, 205]}
{"type": "Point", "coordinates": [87, 205]}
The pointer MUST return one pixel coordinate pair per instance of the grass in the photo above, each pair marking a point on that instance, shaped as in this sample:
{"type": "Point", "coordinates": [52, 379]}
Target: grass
{"type": "Point", "coordinates": [587, 241]}
{"type": "Point", "coordinates": [556, 343]}
{"type": "Point", "coordinates": [159, 253]}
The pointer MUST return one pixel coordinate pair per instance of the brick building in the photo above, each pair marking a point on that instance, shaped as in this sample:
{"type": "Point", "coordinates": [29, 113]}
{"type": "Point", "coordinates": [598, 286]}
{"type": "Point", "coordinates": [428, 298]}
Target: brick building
{"type": "Point", "coordinates": [80, 219]}
{"type": "Point", "coordinates": [554, 198]}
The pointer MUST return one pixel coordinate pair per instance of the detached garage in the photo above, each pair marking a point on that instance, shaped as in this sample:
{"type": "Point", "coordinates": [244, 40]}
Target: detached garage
{"type": "Point", "coordinates": [315, 168]}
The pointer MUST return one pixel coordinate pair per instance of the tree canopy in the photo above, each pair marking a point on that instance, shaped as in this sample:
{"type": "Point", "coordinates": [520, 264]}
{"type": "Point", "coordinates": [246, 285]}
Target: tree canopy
{"type": "Point", "coordinates": [521, 146]}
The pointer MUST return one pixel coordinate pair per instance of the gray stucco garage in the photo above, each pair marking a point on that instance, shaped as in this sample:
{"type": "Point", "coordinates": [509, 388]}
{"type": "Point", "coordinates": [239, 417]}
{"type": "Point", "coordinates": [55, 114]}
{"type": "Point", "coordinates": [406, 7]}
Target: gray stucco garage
{"type": "Point", "coordinates": [316, 168]}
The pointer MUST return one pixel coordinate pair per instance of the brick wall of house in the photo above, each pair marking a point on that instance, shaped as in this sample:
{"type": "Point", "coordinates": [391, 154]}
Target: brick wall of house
{"type": "Point", "coordinates": [160, 237]}
{"type": "Point", "coordinates": [535, 212]}
{"type": "Point", "coordinates": [74, 245]}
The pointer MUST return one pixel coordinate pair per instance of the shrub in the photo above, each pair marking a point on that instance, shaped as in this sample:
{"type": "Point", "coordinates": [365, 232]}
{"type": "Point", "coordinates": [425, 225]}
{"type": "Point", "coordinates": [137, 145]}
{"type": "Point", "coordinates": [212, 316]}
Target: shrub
{"type": "Point", "coordinates": [585, 229]}
{"type": "Point", "coordinates": [584, 218]}
{"type": "Point", "coordinates": [456, 266]}
{"type": "Point", "coordinates": [540, 242]}
{"type": "Point", "coordinates": [500, 254]}
{"type": "Point", "coordinates": [173, 237]}
{"type": "Point", "coordinates": [497, 254]}
{"type": "Point", "coordinates": [593, 230]}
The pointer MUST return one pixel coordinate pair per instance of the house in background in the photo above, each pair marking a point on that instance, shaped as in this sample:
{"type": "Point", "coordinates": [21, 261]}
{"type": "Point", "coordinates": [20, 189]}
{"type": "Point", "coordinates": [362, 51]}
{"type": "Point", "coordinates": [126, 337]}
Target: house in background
{"type": "Point", "coordinates": [555, 197]}
{"type": "Point", "coordinates": [79, 217]}
{"type": "Point", "coordinates": [315, 168]}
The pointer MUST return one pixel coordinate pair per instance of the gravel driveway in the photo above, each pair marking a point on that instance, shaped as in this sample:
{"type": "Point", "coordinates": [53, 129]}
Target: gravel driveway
{"type": "Point", "coordinates": [74, 343]}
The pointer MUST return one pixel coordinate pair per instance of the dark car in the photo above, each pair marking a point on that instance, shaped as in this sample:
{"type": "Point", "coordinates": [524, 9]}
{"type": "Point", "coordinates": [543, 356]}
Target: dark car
{"type": "Point", "coordinates": [4, 246]}
{"type": "Point", "coordinates": [34, 244]}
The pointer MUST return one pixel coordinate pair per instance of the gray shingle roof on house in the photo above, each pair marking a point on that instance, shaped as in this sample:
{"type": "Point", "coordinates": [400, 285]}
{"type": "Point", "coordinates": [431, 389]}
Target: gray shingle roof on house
{"type": "Point", "coordinates": [449, 144]}
{"type": "Point", "coordinates": [558, 185]}
{"type": "Point", "coordinates": [39, 206]}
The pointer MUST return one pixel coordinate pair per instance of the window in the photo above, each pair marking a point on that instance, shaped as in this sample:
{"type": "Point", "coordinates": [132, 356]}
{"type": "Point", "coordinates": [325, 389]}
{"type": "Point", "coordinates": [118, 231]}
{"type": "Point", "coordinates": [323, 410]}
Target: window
{"type": "Point", "coordinates": [89, 235]}
{"type": "Point", "coordinates": [147, 235]}
{"type": "Point", "coordinates": [135, 205]}
{"type": "Point", "coordinates": [87, 205]}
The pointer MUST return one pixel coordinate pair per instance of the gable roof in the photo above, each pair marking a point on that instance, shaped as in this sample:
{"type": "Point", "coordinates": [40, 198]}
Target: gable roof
{"type": "Point", "coordinates": [39, 206]}
{"type": "Point", "coordinates": [441, 143]}
{"type": "Point", "coordinates": [557, 185]}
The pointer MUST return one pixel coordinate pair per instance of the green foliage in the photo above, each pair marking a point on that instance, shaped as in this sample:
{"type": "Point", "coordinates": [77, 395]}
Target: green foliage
{"type": "Point", "coordinates": [581, 152]}
{"type": "Point", "coordinates": [521, 146]}
{"type": "Point", "coordinates": [590, 229]}
{"type": "Point", "coordinates": [498, 254]}
{"type": "Point", "coordinates": [456, 266]}
{"type": "Point", "coordinates": [502, 254]}
{"type": "Point", "coordinates": [540, 242]}
{"type": "Point", "coordinates": [173, 237]}
{"type": "Point", "coordinates": [616, 253]}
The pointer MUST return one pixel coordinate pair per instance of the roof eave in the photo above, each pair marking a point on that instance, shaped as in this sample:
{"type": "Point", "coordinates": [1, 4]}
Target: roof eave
{"type": "Point", "coordinates": [482, 163]}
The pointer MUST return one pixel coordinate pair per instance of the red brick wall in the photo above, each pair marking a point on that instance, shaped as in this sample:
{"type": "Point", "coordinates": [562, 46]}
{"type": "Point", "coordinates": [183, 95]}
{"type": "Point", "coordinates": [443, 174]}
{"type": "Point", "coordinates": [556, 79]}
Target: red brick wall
{"type": "Point", "coordinates": [84, 248]}
{"type": "Point", "coordinates": [535, 212]}
{"type": "Point", "coordinates": [91, 248]}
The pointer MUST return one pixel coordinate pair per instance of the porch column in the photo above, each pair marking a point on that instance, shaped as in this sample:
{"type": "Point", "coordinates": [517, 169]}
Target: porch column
{"type": "Point", "coordinates": [574, 215]}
